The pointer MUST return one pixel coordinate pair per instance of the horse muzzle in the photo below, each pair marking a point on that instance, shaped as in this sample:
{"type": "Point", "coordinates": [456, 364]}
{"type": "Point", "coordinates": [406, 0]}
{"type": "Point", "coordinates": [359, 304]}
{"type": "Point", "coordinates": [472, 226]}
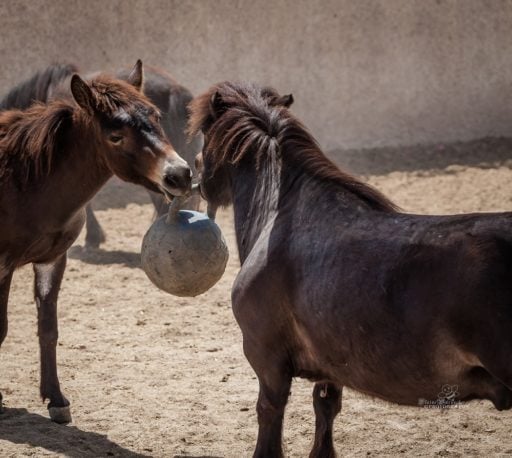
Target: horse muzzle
{"type": "Point", "coordinates": [176, 180]}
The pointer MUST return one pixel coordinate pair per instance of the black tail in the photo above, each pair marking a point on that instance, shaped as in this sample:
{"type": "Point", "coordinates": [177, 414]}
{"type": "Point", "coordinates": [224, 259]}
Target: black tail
{"type": "Point", "coordinates": [37, 88]}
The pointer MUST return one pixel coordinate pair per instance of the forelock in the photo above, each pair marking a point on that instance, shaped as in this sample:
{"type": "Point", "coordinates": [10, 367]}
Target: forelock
{"type": "Point", "coordinates": [113, 97]}
{"type": "Point", "coordinates": [139, 117]}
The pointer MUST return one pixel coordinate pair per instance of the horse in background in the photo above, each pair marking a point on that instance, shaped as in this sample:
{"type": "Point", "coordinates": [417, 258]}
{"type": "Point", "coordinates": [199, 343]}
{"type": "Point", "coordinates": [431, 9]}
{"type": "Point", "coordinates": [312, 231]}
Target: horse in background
{"type": "Point", "coordinates": [170, 97]}
{"type": "Point", "coordinates": [38, 88]}
{"type": "Point", "coordinates": [110, 128]}
{"type": "Point", "coordinates": [339, 287]}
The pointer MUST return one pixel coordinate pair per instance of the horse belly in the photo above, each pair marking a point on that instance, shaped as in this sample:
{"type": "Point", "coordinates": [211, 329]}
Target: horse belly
{"type": "Point", "coordinates": [51, 247]}
{"type": "Point", "coordinates": [407, 377]}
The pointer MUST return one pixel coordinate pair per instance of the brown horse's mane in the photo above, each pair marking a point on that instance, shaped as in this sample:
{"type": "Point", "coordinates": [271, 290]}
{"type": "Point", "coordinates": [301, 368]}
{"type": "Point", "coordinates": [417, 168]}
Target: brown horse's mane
{"type": "Point", "coordinates": [30, 139]}
{"type": "Point", "coordinates": [242, 121]}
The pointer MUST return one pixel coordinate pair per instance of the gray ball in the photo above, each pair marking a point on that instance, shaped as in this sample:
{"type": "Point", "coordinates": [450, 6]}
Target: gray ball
{"type": "Point", "coordinates": [184, 253]}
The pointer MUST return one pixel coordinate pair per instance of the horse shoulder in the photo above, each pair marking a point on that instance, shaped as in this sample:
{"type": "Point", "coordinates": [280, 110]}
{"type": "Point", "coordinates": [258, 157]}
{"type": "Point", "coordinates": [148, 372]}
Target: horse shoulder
{"type": "Point", "coordinates": [259, 282]}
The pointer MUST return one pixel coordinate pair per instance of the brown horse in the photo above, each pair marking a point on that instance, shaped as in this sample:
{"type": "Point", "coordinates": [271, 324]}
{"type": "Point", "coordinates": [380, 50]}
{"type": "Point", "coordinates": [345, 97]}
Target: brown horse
{"type": "Point", "coordinates": [339, 287]}
{"type": "Point", "coordinates": [170, 97]}
{"type": "Point", "coordinates": [53, 159]}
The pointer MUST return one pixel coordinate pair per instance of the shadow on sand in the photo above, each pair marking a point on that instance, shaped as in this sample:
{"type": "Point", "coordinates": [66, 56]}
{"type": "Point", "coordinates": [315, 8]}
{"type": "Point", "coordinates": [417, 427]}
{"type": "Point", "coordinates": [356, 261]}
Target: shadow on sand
{"type": "Point", "coordinates": [483, 153]}
{"type": "Point", "coordinates": [99, 256]}
{"type": "Point", "coordinates": [19, 426]}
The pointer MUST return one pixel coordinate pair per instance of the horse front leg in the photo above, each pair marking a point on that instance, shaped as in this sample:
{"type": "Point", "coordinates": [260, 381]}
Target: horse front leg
{"type": "Point", "coordinates": [327, 404]}
{"type": "Point", "coordinates": [48, 279]}
{"type": "Point", "coordinates": [94, 235]}
{"type": "Point", "coordinates": [5, 285]}
{"type": "Point", "coordinates": [272, 399]}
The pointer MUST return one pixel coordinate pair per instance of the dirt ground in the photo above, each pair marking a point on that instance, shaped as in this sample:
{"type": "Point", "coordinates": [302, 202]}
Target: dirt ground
{"type": "Point", "coordinates": [149, 374]}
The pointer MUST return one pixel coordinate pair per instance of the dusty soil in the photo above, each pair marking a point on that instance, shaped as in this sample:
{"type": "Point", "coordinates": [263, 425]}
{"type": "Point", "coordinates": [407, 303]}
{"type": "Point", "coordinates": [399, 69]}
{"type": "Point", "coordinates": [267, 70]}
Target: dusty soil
{"type": "Point", "coordinates": [149, 374]}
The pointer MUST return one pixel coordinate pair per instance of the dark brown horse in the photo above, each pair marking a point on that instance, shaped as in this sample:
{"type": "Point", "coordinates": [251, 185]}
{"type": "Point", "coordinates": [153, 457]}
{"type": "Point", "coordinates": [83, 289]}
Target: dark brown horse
{"type": "Point", "coordinates": [170, 97]}
{"type": "Point", "coordinates": [53, 159]}
{"type": "Point", "coordinates": [38, 88]}
{"type": "Point", "coordinates": [339, 287]}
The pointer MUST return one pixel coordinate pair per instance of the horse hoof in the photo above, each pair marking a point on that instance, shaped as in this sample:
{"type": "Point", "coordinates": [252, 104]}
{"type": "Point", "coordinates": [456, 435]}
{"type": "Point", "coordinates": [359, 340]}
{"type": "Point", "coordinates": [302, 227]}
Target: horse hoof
{"type": "Point", "coordinates": [60, 414]}
{"type": "Point", "coordinates": [93, 241]}
{"type": "Point", "coordinates": [91, 246]}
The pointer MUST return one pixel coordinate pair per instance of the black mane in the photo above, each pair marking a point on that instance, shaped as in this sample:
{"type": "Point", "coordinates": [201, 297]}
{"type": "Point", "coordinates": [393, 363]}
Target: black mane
{"type": "Point", "coordinates": [249, 124]}
{"type": "Point", "coordinates": [37, 88]}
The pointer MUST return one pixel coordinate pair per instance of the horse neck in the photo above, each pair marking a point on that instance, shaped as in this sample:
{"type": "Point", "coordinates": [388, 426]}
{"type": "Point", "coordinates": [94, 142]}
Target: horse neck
{"type": "Point", "coordinates": [79, 172]}
{"type": "Point", "coordinates": [258, 196]}
{"type": "Point", "coordinates": [255, 201]}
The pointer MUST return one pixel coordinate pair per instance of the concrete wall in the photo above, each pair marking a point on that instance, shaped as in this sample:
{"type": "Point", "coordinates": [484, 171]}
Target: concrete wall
{"type": "Point", "coordinates": [364, 73]}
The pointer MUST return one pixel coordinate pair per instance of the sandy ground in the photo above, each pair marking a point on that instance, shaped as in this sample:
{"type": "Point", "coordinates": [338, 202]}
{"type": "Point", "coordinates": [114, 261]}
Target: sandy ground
{"type": "Point", "coordinates": [149, 374]}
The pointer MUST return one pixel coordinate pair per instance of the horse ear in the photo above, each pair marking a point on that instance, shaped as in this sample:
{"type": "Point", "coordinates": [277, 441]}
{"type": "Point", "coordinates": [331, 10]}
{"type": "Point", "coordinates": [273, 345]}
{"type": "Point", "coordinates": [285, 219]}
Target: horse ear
{"type": "Point", "coordinates": [285, 100]}
{"type": "Point", "coordinates": [217, 105]}
{"type": "Point", "coordinates": [82, 94]}
{"type": "Point", "coordinates": [136, 77]}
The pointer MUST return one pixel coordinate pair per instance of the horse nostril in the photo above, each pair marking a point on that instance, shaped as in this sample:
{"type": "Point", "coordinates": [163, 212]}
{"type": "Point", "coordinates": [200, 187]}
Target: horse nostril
{"type": "Point", "coordinates": [171, 181]}
{"type": "Point", "coordinates": [178, 177]}
{"type": "Point", "coordinates": [185, 174]}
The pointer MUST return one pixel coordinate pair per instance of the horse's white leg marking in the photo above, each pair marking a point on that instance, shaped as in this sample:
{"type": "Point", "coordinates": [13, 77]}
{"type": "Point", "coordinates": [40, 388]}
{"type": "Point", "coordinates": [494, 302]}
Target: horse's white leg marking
{"type": "Point", "coordinates": [43, 281]}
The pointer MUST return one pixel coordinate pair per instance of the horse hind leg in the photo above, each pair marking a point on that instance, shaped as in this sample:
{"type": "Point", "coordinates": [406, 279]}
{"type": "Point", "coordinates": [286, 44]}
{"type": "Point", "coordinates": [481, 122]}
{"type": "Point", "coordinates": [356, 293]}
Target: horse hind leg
{"type": "Point", "coordinates": [485, 386]}
{"type": "Point", "coordinates": [5, 284]}
{"type": "Point", "coordinates": [94, 235]}
{"type": "Point", "coordinates": [327, 404]}
{"type": "Point", "coordinates": [48, 279]}
{"type": "Point", "coordinates": [494, 356]}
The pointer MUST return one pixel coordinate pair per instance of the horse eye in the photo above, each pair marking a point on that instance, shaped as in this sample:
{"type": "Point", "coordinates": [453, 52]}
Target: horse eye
{"type": "Point", "coordinates": [115, 139]}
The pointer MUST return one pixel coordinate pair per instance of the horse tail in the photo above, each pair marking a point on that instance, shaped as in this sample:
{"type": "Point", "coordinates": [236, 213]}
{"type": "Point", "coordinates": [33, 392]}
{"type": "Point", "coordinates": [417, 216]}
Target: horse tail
{"type": "Point", "coordinates": [37, 88]}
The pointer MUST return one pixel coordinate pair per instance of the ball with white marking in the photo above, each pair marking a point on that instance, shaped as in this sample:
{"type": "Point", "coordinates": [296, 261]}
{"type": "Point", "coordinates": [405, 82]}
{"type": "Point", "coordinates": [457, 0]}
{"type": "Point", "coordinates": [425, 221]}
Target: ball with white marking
{"type": "Point", "coordinates": [184, 253]}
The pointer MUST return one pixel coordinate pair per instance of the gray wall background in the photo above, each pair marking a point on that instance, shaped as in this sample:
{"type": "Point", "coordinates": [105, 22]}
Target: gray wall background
{"type": "Point", "coordinates": [364, 73]}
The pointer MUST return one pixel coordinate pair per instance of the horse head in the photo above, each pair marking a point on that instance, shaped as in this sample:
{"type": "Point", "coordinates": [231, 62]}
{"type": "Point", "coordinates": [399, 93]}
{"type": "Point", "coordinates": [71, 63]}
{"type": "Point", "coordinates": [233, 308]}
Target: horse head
{"type": "Point", "coordinates": [220, 111]}
{"type": "Point", "coordinates": [129, 137]}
